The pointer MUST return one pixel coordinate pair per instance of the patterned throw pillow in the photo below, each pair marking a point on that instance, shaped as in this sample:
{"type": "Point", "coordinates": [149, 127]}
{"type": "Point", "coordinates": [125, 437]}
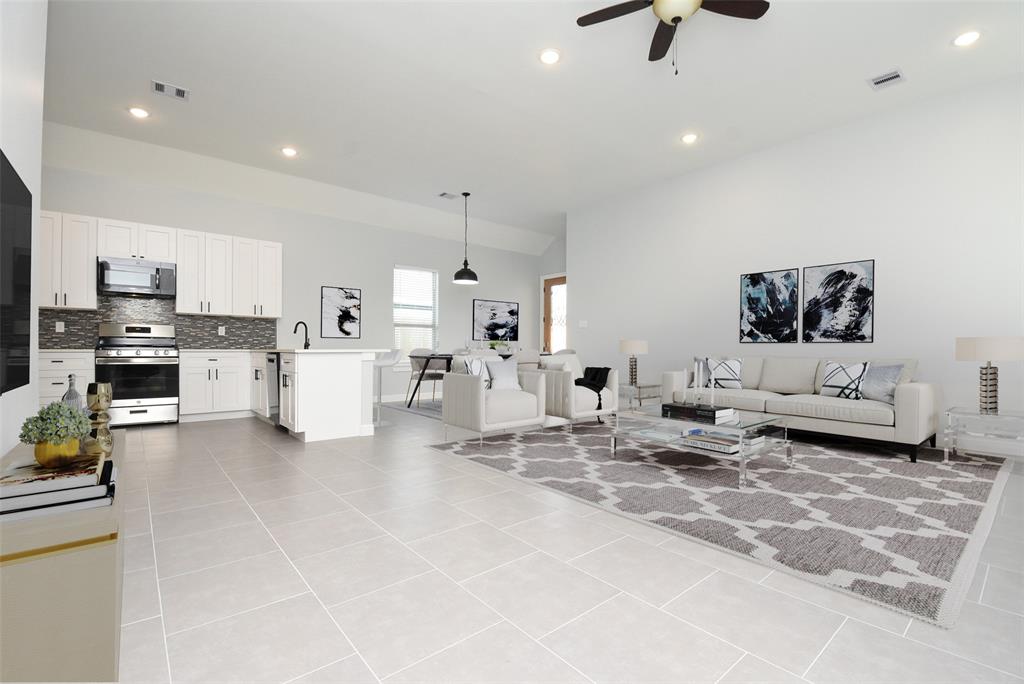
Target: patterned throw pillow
{"type": "Point", "coordinates": [476, 366]}
{"type": "Point", "coordinates": [726, 373]}
{"type": "Point", "coordinates": [844, 380]}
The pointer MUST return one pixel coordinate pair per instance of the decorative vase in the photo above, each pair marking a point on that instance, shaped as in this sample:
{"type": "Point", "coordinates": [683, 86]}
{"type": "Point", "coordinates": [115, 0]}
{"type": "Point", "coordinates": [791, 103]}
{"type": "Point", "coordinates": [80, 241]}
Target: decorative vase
{"type": "Point", "coordinates": [98, 397]}
{"type": "Point", "coordinates": [50, 455]}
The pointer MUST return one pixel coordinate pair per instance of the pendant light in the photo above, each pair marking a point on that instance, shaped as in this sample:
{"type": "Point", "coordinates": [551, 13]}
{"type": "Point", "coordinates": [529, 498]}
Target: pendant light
{"type": "Point", "coordinates": [465, 275]}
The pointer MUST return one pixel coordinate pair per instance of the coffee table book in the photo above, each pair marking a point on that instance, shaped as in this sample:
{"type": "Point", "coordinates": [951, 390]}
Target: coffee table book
{"type": "Point", "coordinates": [701, 413]}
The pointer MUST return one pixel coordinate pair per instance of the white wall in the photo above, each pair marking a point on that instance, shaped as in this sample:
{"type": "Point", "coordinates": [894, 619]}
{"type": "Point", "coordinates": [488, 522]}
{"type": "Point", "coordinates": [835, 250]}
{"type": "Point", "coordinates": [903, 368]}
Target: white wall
{"type": "Point", "coordinates": [934, 193]}
{"type": "Point", "coordinates": [318, 250]}
{"type": "Point", "coordinates": [22, 59]}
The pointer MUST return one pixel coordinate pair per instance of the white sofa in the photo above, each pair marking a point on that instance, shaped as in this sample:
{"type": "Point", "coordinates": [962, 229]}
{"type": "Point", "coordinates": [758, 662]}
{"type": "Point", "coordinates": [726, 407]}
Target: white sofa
{"type": "Point", "coordinates": [567, 400]}
{"type": "Point", "coordinates": [791, 387]}
{"type": "Point", "coordinates": [468, 403]}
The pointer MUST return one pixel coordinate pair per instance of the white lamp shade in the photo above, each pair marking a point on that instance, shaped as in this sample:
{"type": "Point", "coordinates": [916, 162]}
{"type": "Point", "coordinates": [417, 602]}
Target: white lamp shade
{"type": "Point", "coordinates": [990, 349]}
{"type": "Point", "coordinates": [633, 347]}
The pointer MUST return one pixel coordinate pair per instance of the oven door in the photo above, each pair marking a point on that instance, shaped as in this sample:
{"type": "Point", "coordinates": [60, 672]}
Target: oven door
{"type": "Point", "coordinates": [140, 381]}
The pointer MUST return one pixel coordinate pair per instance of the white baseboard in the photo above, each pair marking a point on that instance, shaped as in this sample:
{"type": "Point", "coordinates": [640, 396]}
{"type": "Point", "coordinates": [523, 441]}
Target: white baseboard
{"type": "Point", "coordinates": [392, 398]}
{"type": "Point", "coordinates": [223, 415]}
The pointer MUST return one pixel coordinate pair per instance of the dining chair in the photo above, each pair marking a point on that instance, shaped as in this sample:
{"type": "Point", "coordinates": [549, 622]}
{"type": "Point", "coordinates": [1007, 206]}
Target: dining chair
{"type": "Point", "coordinates": [434, 373]}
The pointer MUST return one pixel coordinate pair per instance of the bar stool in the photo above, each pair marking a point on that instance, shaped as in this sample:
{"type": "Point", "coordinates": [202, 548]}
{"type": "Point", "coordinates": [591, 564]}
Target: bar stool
{"type": "Point", "coordinates": [384, 360]}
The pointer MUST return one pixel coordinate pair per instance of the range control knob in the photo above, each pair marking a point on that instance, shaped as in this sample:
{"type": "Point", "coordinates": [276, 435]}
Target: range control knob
{"type": "Point", "coordinates": [138, 352]}
{"type": "Point", "coordinates": [118, 352]}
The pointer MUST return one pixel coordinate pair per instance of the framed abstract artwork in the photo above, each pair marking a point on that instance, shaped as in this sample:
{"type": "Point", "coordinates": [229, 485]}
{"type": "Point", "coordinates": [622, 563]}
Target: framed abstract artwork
{"type": "Point", "coordinates": [341, 312]}
{"type": "Point", "coordinates": [495, 321]}
{"type": "Point", "coordinates": [839, 302]}
{"type": "Point", "coordinates": [769, 304]}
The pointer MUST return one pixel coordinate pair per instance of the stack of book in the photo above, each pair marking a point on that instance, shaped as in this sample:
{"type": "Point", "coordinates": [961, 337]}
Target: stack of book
{"type": "Point", "coordinates": [699, 413]}
{"type": "Point", "coordinates": [28, 490]}
{"type": "Point", "coordinates": [719, 441]}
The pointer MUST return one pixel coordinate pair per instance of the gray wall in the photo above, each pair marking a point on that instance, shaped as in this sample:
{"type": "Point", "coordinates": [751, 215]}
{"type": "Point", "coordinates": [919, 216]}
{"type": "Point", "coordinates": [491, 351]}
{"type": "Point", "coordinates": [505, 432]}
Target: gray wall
{"type": "Point", "coordinates": [318, 251]}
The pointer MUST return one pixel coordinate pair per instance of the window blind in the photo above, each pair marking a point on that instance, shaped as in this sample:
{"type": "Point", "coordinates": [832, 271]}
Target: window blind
{"type": "Point", "coordinates": [415, 308]}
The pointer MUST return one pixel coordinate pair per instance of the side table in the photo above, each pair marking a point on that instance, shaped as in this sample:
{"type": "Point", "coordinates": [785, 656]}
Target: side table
{"type": "Point", "coordinates": [637, 393]}
{"type": "Point", "coordinates": [1005, 425]}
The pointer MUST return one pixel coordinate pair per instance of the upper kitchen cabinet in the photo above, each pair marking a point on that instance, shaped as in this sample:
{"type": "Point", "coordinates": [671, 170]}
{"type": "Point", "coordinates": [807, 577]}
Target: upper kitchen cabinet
{"type": "Point", "coordinates": [66, 277]}
{"type": "Point", "coordinates": [127, 240]}
{"type": "Point", "coordinates": [257, 278]}
{"type": "Point", "coordinates": [219, 267]}
{"type": "Point", "coordinates": [204, 273]}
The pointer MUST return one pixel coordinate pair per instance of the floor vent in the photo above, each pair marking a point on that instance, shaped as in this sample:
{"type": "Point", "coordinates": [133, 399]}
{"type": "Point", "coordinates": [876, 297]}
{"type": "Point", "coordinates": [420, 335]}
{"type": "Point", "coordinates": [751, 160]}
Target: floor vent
{"type": "Point", "coordinates": [177, 92]}
{"type": "Point", "coordinates": [886, 80]}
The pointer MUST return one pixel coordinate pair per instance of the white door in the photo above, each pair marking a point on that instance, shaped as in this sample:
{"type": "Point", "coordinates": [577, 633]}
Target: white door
{"type": "Point", "coordinates": [157, 243]}
{"type": "Point", "coordinates": [230, 389]}
{"type": "Point", "coordinates": [191, 272]}
{"type": "Point", "coordinates": [196, 390]}
{"type": "Point", "coordinates": [244, 286]}
{"type": "Point", "coordinates": [218, 274]}
{"type": "Point", "coordinates": [118, 239]}
{"type": "Point", "coordinates": [48, 275]}
{"type": "Point", "coordinates": [78, 262]}
{"type": "Point", "coordinates": [269, 279]}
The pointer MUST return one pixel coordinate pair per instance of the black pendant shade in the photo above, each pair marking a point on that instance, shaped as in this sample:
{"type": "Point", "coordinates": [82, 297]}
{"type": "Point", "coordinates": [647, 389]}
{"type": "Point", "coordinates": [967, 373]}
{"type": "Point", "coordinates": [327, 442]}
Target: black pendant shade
{"type": "Point", "coordinates": [465, 275]}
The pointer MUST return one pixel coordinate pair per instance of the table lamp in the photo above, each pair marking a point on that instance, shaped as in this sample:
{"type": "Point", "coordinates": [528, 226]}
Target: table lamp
{"type": "Point", "coordinates": [987, 350]}
{"type": "Point", "coordinates": [633, 348]}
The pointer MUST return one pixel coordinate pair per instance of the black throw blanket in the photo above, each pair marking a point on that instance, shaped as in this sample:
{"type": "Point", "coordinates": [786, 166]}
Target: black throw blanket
{"type": "Point", "coordinates": [594, 379]}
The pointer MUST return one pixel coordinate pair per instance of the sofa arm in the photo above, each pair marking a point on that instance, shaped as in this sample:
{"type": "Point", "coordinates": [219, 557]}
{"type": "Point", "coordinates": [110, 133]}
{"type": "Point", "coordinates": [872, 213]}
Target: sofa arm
{"type": "Point", "coordinates": [463, 404]}
{"type": "Point", "coordinates": [560, 399]}
{"type": "Point", "coordinates": [534, 383]}
{"type": "Point", "coordinates": [672, 382]}
{"type": "Point", "coordinates": [917, 411]}
{"type": "Point", "coordinates": [613, 386]}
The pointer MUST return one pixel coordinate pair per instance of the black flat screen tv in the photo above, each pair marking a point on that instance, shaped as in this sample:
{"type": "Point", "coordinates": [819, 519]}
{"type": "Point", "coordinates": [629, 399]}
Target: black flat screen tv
{"type": "Point", "coordinates": [15, 277]}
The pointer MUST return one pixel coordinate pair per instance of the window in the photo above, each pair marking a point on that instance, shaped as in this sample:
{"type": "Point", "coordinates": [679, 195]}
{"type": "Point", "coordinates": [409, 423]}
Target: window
{"type": "Point", "coordinates": [415, 309]}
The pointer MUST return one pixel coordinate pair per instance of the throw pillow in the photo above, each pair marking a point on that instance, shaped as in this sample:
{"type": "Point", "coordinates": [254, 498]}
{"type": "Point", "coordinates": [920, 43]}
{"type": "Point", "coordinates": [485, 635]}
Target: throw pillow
{"type": "Point", "coordinates": [504, 374]}
{"type": "Point", "coordinates": [476, 366]}
{"type": "Point", "coordinates": [844, 380]}
{"type": "Point", "coordinates": [880, 383]}
{"type": "Point", "coordinates": [726, 373]}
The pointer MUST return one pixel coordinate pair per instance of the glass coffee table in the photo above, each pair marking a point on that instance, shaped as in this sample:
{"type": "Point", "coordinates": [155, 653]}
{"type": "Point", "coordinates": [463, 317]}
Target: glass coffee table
{"type": "Point", "coordinates": [747, 426]}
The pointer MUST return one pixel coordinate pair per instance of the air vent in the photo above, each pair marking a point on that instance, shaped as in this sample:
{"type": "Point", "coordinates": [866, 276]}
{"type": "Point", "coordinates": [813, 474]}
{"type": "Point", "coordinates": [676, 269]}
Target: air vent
{"type": "Point", "coordinates": [177, 92]}
{"type": "Point", "coordinates": [887, 80]}
{"type": "Point", "coordinates": [447, 195]}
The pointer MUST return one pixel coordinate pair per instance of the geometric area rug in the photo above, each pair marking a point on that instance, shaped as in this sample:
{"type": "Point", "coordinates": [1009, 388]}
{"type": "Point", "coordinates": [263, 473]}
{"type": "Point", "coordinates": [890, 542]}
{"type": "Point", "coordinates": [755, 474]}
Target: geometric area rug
{"type": "Point", "coordinates": [856, 518]}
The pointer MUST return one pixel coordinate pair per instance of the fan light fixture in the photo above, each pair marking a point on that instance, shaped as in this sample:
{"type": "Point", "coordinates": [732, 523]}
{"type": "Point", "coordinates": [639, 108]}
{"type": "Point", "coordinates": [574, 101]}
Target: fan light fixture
{"type": "Point", "coordinates": [967, 39]}
{"type": "Point", "coordinates": [138, 112]}
{"type": "Point", "coordinates": [465, 275]}
{"type": "Point", "coordinates": [550, 56]}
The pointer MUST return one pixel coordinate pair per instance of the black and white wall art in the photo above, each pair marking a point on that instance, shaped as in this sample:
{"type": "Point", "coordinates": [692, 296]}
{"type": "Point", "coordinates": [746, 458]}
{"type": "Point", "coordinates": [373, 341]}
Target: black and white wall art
{"type": "Point", "coordinates": [839, 302]}
{"type": "Point", "coordinates": [341, 312]}
{"type": "Point", "coordinates": [769, 303]}
{"type": "Point", "coordinates": [495, 321]}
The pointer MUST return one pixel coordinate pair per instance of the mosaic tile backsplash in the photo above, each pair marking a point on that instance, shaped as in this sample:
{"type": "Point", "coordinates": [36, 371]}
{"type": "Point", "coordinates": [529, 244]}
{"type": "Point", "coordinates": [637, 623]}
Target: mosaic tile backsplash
{"type": "Point", "coordinates": [194, 332]}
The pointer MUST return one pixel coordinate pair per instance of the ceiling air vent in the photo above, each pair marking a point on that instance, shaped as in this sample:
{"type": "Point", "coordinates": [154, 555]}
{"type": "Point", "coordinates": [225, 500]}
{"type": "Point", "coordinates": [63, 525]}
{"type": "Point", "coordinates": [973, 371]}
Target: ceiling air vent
{"type": "Point", "coordinates": [177, 92]}
{"type": "Point", "coordinates": [448, 195]}
{"type": "Point", "coordinates": [886, 80]}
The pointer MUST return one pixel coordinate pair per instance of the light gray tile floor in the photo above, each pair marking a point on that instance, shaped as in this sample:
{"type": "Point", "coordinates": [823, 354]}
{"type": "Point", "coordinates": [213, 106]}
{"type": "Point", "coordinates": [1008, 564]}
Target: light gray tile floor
{"type": "Point", "coordinates": [252, 556]}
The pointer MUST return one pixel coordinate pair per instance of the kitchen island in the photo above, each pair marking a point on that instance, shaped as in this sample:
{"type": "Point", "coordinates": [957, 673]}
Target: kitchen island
{"type": "Point", "coordinates": [326, 393]}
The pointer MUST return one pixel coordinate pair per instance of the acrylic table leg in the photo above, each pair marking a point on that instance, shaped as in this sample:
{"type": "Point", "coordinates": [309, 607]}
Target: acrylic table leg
{"type": "Point", "coordinates": [743, 466]}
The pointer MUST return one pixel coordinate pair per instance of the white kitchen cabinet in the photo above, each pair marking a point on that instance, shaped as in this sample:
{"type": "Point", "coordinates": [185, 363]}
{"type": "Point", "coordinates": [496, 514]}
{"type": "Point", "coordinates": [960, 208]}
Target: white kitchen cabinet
{"type": "Point", "coordinates": [269, 283]}
{"type": "Point", "coordinates": [245, 289]}
{"type": "Point", "coordinates": [289, 398]}
{"type": "Point", "coordinates": [158, 243]}
{"type": "Point", "coordinates": [54, 368]}
{"type": "Point", "coordinates": [191, 272]}
{"type": "Point", "coordinates": [118, 239]}
{"type": "Point", "coordinates": [218, 274]}
{"type": "Point", "coordinates": [214, 381]}
{"type": "Point", "coordinates": [259, 390]}
{"type": "Point", "coordinates": [67, 273]}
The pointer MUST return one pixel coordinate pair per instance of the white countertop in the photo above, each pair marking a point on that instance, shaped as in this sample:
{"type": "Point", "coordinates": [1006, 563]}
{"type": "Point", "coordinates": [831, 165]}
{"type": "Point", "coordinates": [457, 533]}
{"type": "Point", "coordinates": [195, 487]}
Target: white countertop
{"type": "Point", "coordinates": [326, 351]}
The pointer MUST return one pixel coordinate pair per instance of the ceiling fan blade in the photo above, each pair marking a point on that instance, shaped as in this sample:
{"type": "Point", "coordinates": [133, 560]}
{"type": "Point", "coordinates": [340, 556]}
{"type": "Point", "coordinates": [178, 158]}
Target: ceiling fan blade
{"type": "Point", "coordinates": [613, 12]}
{"type": "Point", "coordinates": [662, 41]}
{"type": "Point", "coordinates": [744, 9]}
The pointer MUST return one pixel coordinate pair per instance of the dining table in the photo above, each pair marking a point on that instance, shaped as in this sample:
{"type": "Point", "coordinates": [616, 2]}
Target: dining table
{"type": "Point", "coordinates": [427, 360]}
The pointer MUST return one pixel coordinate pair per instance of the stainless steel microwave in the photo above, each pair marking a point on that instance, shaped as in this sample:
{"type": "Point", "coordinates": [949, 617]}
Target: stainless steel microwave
{"type": "Point", "coordinates": [135, 277]}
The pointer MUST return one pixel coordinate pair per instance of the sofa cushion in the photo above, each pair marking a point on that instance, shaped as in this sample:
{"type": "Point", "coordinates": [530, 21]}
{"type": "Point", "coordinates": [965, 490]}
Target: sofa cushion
{"type": "Point", "coordinates": [788, 376]}
{"type": "Point", "coordinates": [906, 375]}
{"type": "Point", "coordinates": [506, 405]}
{"type": "Point", "coordinates": [742, 399]}
{"type": "Point", "coordinates": [843, 379]}
{"type": "Point", "coordinates": [750, 376]}
{"type": "Point", "coordinates": [586, 399]}
{"type": "Point", "coordinates": [833, 408]}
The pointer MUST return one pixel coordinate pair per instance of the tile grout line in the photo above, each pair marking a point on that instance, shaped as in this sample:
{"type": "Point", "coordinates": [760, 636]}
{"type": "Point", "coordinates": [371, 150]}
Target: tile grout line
{"type": "Point", "coordinates": [596, 548]}
{"type": "Point", "coordinates": [984, 583]}
{"type": "Point", "coordinates": [218, 565]}
{"type": "Point", "coordinates": [234, 615]}
{"type": "Point", "coordinates": [446, 648]}
{"type": "Point", "coordinates": [594, 607]}
{"type": "Point", "coordinates": [390, 585]}
{"type": "Point", "coordinates": [823, 648]}
{"type": "Point", "coordinates": [731, 668]}
{"type": "Point", "coordinates": [156, 578]}
{"type": "Point", "coordinates": [319, 669]}
{"type": "Point", "coordinates": [498, 567]}
{"type": "Point", "coordinates": [300, 575]}
{"type": "Point", "coordinates": [714, 571]}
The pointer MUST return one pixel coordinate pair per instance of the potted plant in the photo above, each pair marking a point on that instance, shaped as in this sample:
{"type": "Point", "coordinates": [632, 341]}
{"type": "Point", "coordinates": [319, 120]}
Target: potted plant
{"type": "Point", "coordinates": [56, 432]}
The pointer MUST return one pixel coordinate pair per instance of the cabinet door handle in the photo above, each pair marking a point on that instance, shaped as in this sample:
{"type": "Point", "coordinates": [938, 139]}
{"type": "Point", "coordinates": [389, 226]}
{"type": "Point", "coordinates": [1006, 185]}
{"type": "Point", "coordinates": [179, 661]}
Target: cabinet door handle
{"type": "Point", "coordinates": [200, 306]}
{"type": "Point", "coordinates": [56, 383]}
{"type": "Point", "coordinates": [253, 309]}
{"type": "Point", "coordinates": [256, 374]}
{"type": "Point", "coordinates": [208, 377]}
{"type": "Point", "coordinates": [56, 360]}
{"type": "Point", "coordinates": [55, 299]}
{"type": "Point", "coordinates": [208, 307]}
{"type": "Point", "coordinates": [65, 299]}
{"type": "Point", "coordinates": [216, 374]}
{"type": "Point", "coordinates": [261, 309]}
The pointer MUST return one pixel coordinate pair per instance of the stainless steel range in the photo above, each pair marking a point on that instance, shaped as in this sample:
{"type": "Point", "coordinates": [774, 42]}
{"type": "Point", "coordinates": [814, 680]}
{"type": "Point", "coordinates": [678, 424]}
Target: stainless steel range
{"type": "Point", "coordinates": [141, 364]}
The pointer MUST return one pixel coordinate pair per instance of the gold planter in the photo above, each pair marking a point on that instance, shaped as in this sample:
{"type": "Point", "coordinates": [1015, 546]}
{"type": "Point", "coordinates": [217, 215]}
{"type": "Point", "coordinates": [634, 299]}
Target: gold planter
{"type": "Point", "coordinates": [51, 455]}
{"type": "Point", "coordinates": [100, 441]}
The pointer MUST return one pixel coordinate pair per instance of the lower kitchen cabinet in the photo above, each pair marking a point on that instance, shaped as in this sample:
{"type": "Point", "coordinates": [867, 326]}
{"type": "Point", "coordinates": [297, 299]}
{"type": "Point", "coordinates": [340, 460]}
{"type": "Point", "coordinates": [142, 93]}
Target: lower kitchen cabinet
{"type": "Point", "coordinates": [214, 381]}
{"type": "Point", "coordinates": [56, 366]}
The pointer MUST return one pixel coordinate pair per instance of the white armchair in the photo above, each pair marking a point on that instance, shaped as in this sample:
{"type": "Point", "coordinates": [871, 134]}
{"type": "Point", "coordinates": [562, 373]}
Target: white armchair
{"type": "Point", "coordinates": [468, 403]}
{"type": "Point", "coordinates": [567, 400]}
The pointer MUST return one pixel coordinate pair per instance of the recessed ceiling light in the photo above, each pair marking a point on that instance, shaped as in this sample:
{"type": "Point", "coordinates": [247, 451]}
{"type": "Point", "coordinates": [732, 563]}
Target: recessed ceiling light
{"type": "Point", "coordinates": [689, 138]}
{"type": "Point", "coordinates": [289, 152]}
{"type": "Point", "coordinates": [966, 39]}
{"type": "Point", "coordinates": [550, 56]}
{"type": "Point", "coordinates": [138, 112]}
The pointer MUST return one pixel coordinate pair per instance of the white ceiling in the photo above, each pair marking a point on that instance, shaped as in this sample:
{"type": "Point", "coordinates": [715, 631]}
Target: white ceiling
{"type": "Point", "coordinates": [407, 99]}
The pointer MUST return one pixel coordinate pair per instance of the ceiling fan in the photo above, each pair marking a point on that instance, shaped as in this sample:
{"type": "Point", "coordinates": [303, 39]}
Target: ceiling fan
{"type": "Point", "coordinates": [671, 12]}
